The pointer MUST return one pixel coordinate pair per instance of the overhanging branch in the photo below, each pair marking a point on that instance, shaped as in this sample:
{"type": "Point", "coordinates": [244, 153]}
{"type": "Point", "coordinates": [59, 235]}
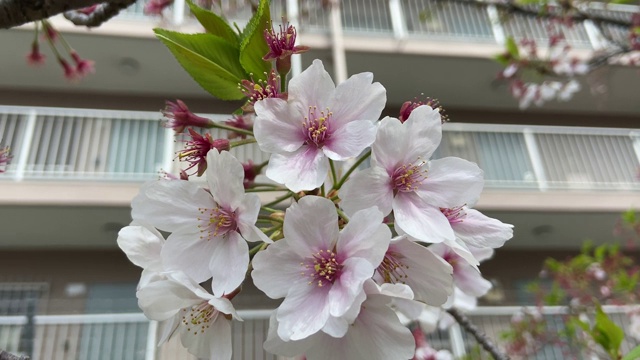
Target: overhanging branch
{"type": "Point", "coordinates": [18, 12]}
{"type": "Point", "coordinates": [99, 15]}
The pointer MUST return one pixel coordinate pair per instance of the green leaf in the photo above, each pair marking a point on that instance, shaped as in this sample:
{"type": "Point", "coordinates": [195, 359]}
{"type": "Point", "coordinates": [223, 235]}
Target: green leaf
{"type": "Point", "coordinates": [503, 59]}
{"type": "Point", "coordinates": [253, 45]}
{"type": "Point", "coordinates": [512, 47]}
{"type": "Point", "coordinates": [214, 24]}
{"type": "Point", "coordinates": [629, 216]}
{"type": "Point", "coordinates": [606, 333]}
{"type": "Point", "coordinates": [211, 61]}
{"type": "Point", "coordinates": [634, 354]}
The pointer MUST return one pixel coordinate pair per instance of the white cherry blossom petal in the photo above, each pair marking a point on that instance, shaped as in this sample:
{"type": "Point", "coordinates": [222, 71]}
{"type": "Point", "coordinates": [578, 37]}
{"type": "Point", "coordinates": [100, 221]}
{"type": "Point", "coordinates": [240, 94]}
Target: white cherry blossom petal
{"type": "Point", "coordinates": [168, 205]}
{"type": "Point", "coordinates": [420, 220]}
{"type": "Point", "coordinates": [228, 263]}
{"type": "Point", "coordinates": [247, 214]}
{"type": "Point", "coordinates": [224, 176]}
{"type": "Point", "coordinates": [277, 269]}
{"type": "Point", "coordinates": [190, 253]}
{"type": "Point", "coordinates": [277, 126]}
{"type": "Point", "coordinates": [478, 230]}
{"type": "Point", "coordinates": [160, 300]}
{"type": "Point", "coordinates": [313, 86]}
{"type": "Point", "coordinates": [303, 169]}
{"type": "Point", "coordinates": [142, 245]}
{"type": "Point", "coordinates": [310, 225]}
{"type": "Point", "coordinates": [349, 140]}
{"type": "Point", "coordinates": [304, 311]}
{"type": "Point", "coordinates": [358, 98]}
{"type": "Point", "coordinates": [355, 271]}
{"type": "Point", "coordinates": [367, 188]}
{"type": "Point", "coordinates": [451, 181]}
{"type": "Point", "coordinates": [365, 236]}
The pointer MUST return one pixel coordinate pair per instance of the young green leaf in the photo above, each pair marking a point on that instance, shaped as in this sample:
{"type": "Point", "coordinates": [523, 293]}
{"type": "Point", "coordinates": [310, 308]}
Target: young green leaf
{"type": "Point", "coordinates": [253, 45]}
{"type": "Point", "coordinates": [211, 61]}
{"type": "Point", "coordinates": [606, 333]}
{"type": "Point", "coordinates": [214, 24]}
{"type": "Point", "coordinates": [634, 354]}
{"type": "Point", "coordinates": [512, 47]}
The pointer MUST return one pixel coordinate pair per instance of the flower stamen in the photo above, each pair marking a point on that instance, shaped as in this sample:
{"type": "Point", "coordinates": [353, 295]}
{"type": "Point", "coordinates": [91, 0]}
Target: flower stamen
{"type": "Point", "coordinates": [391, 269]}
{"type": "Point", "coordinates": [216, 222]}
{"type": "Point", "coordinates": [317, 125]}
{"type": "Point", "coordinates": [407, 178]}
{"type": "Point", "coordinates": [323, 268]}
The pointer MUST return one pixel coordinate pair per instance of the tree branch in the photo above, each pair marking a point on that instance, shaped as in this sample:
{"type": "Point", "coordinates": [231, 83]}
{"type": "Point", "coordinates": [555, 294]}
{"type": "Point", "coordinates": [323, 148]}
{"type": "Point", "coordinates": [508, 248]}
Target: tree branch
{"type": "Point", "coordinates": [18, 12]}
{"type": "Point", "coordinates": [99, 15]}
{"type": "Point", "coordinates": [481, 338]}
{"type": "Point", "coordinates": [577, 16]}
{"type": "Point", "coordinates": [7, 356]}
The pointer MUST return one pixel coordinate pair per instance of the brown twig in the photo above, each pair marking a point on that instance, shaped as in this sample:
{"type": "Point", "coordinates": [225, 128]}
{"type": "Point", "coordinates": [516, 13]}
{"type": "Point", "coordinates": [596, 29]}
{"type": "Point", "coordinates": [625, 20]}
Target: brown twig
{"type": "Point", "coordinates": [18, 12]}
{"type": "Point", "coordinates": [480, 337]}
{"type": "Point", "coordinates": [8, 356]}
{"type": "Point", "coordinates": [102, 13]}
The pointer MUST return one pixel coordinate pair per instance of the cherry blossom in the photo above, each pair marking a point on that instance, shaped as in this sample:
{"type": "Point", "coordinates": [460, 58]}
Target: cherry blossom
{"type": "Point", "coordinates": [375, 334]}
{"type": "Point", "coordinates": [179, 117]}
{"type": "Point", "coordinates": [319, 121]}
{"type": "Point", "coordinates": [403, 180]}
{"type": "Point", "coordinates": [185, 307]}
{"type": "Point", "coordinates": [476, 229]}
{"type": "Point", "coordinates": [319, 270]}
{"type": "Point", "coordinates": [143, 244]}
{"type": "Point", "coordinates": [428, 275]}
{"type": "Point", "coordinates": [209, 228]}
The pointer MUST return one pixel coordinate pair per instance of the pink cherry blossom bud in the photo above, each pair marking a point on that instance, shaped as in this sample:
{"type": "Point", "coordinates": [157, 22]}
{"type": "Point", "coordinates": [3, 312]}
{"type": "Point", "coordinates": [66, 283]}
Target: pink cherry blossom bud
{"type": "Point", "coordinates": [69, 71]}
{"type": "Point", "coordinates": [83, 66]}
{"type": "Point", "coordinates": [195, 152]}
{"type": "Point", "coordinates": [407, 108]}
{"type": "Point", "coordinates": [241, 122]}
{"type": "Point", "coordinates": [261, 89]}
{"type": "Point", "coordinates": [605, 291]}
{"type": "Point", "coordinates": [5, 158]}
{"type": "Point", "coordinates": [155, 7]}
{"type": "Point", "coordinates": [178, 117]}
{"type": "Point", "coordinates": [281, 46]}
{"type": "Point", "coordinates": [250, 173]}
{"type": "Point", "coordinates": [35, 57]}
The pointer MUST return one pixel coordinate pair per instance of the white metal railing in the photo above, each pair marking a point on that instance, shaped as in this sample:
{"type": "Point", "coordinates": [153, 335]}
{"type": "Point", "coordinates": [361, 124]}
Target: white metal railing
{"type": "Point", "coordinates": [107, 145]}
{"type": "Point", "coordinates": [428, 19]}
{"type": "Point", "coordinates": [132, 336]}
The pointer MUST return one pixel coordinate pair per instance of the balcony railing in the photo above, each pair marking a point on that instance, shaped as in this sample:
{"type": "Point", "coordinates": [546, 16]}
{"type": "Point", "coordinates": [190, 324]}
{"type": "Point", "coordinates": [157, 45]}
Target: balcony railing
{"type": "Point", "coordinates": [105, 145]}
{"type": "Point", "coordinates": [133, 337]}
{"type": "Point", "coordinates": [420, 19]}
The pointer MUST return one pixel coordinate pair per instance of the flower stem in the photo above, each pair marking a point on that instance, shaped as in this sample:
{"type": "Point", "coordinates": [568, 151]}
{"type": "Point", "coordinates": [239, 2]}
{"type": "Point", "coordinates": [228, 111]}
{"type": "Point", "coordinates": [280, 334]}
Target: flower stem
{"type": "Point", "coordinates": [230, 128]}
{"type": "Point", "coordinates": [241, 142]}
{"type": "Point", "coordinates": [279, 200]}
{"type": "Point", "coordinates": [342, 215]}
{"type": "Point", "coordinates": [338, 185]}
{"type": "Point", "coordinates": [334, 177]}
{"type": "Point", "coordinates": [262, 165]}
{"type": "Point", "coordinates": [268, 209]}
{"type": "Point", "coordinates": [268, 218]}
{"type": "Point", "coordinates": [265, 190]}
{"type": "Point", "coordinates": [481, 338]}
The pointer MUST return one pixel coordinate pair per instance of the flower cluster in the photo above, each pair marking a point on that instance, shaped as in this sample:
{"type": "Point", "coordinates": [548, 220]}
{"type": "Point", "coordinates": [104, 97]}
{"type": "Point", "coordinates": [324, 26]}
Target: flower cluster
{"type": "Point", "coordinates": [349, 251]}
{"type": "Point", "coordinates": [525, 69]}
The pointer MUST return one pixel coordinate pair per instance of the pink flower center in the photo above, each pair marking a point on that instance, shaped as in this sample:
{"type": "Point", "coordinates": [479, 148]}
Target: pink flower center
{"type": "Point", "coordinates": [407, 178]}
{"type": "Point", "coordinates": [216, 222]}
{"type": "Point", "coordinates": [391, 269]}
{"type": "Point", "coordinates": [317, 126]}
{"type": "Point", "coordinates": [322, 267]}
{"type": "Point", "coordinates": [454, 215]}
{"type": "Point", "coordinates": [199, 317]}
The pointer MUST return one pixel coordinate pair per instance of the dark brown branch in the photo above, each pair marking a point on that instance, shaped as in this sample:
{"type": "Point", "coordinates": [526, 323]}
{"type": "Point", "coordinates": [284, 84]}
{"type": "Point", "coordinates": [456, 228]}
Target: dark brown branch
{"type": "Point", "coordinates": [481, 338]}
{"type": "Point", "coordinates": [102, 13]}
{"type": "Point", "coordinates": [18, 12]}
{"type": "Point", "coordinates": [7, 356]}
{"type": "Point", "coordinates": [511, 7]}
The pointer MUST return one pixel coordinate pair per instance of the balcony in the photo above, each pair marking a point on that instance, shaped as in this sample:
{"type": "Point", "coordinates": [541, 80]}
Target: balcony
{"type": "Point", "coordinates": [415, 19]}
{"type": "Point", "coordinates": [124, 146]}
{"type": "Point", "coordinates": [131, 336]}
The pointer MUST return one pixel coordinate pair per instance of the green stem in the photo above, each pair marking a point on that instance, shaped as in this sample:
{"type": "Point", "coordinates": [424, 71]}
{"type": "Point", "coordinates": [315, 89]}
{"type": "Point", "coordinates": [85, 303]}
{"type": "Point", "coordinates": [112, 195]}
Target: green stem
{"type": "Point", "coordinates": [242, 142]}
{"type": "Point", "coordinates": [342, 215]}
{"type": "Point", "coordinates": [230, 128]}
{"type": "Point", "coordinates": [339, 184]}
{"type": "Point", "coordinates": [265, 190]}
{"type": "Point", "coordinates": [35, 38]}
{"type": "Point", "coordinates": [334, 177]}
{"type": "Point", "coordinates": [262, 165]}
{"type": "Point", "coordinates": [322, 190]}
{"type": "Point", "coordinates": [279, 200]}
{"type": "Point", "coordinates": [264, 184]}
{"type": "Point", "coordinates": [266, 217]}
{"type": "Point", "coordinates": [51, 44]}
{"type": "Point", "coordinates": [283, 83]}
{"type": "Point", "coordinates": [269, 209]}
{"type": "Point", "coordinates": [254, 250]}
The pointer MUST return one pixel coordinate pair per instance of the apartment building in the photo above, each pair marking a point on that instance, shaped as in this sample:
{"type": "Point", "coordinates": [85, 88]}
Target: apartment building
{"type": "Point", "coordinates": [560, 174]}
